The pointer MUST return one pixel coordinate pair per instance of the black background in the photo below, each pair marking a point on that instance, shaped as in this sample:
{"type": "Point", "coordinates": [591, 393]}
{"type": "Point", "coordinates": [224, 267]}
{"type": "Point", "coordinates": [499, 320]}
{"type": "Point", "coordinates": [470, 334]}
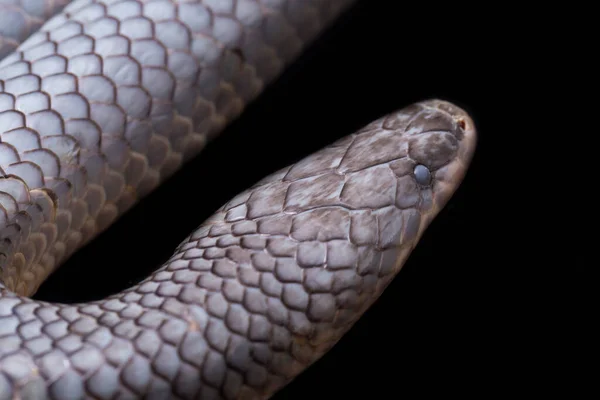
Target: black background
{"type": "Point", "coordinates": [438, 327]}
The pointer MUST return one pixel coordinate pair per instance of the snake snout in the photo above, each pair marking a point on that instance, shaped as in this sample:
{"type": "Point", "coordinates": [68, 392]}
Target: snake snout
{"type": "Point", "coordinates": [447, 146]}
{"type": "Point", "coordinates": [458, 122]}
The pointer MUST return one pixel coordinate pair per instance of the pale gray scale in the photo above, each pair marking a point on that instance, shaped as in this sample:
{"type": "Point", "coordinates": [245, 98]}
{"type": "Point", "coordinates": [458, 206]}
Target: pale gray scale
{"type": "Point", "coordinates": [7, 102]}
{"type": "Point", "coordinates": [160, 10]}
{"type": "Point", "coordinates": [103, 383]}
{"type": "Point", "coordinates": [149, 52]}
{"type": "Point", "coordinates": [97, 88]}
{"type": "Point", "coordinates": [22, 84]}
{"type": "Point", "coordinates": [15, 188]}
{"type": "Point", "coordinates": [68, 386]}
{"type": "Point", "coordinates": [22, 139]}
{"type": "Point", "coordinates": [207, 50]}
{"type": "Point", "coordinates": [74, 7]}
{"type": "Point", "coordinates": [159, 83]}
{"type": "Point", "coordinates": [14, 70]}
{"type": "Point", "coordinates": [173, 34]}
{"type": "Point", "coordinates": [32, 41]}
{"type": "Point", "coordinates": [227, 30]}
{"type": "Point", "coordinates": [249, 13]}
{"type": "Point", "coordinates": [59, 84]}
{"type": "Point", "coordinates": [195, 15]}
{"type": "Point", "coordinates": [110, 118]}
{"type": "Point", "coordinates": [32, 102]}
{"type": "Point", "coordinates": [50, 65]}
{"type": "Point", "coordinates": [99, 26]}
{"type": "Point", "coordinates": [341, 254]}
{"type": "Point", "coordinates": [29, 172]}
{"type": "Point", "coordinates": [76, 46]}
{"type": "Point", "coordinates": [8, 60]}
{"type": "Point", "coordinates": [45, 122]}
{"type": "Point", "coordinates": [39, 51]}
{"type": "Point", "coordinates": [11, 119]}
{"type": "Point", "coordinates": [112, 46]}
{"type": "Point", "coordinates": [124, 9]}
{"type": "Point", "coordinates": [122, 70]}
{"type": "Point", "coordinates": [66, 31]}
{"type": "Point", "coordinates": [183, 66]}
{"type": "Point", "coordinates": [137, 28]}
{"type": "Point", "coordinates": [71, 106]}
{"type": "Point", "coordinates": [86, 132]}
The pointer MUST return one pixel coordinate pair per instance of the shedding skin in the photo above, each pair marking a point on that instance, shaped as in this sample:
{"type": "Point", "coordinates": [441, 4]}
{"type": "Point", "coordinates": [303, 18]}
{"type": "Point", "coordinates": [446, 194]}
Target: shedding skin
{"type": "Point", "coordinates": [107, 100]}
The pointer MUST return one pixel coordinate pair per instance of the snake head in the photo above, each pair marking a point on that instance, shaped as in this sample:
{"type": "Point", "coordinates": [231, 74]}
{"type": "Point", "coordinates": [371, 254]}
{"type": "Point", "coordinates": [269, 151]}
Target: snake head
{"type": "Point", "coordinates": [406, 166]}
{"type": "Point", "coordinates": [440, 139]}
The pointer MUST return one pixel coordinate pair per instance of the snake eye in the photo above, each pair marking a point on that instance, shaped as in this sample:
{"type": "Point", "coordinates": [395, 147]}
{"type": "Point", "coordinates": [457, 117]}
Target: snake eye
{"type": "Point", "coordinates": [422, 175]}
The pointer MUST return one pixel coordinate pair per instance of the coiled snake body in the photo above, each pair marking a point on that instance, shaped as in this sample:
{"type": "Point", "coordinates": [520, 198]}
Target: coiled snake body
{"type": "Point", "coordinates": [100, 101]}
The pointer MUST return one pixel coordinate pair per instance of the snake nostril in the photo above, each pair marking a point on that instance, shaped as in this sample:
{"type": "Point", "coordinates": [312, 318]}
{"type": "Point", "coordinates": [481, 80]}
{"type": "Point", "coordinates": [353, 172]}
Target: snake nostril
{"type": "Point", "coordinates": [461, 123]}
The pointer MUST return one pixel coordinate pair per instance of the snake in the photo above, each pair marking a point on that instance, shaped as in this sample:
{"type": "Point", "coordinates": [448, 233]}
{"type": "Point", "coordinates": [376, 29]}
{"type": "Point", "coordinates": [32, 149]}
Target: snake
{"type": "Point", "coordinates": [101, 101]}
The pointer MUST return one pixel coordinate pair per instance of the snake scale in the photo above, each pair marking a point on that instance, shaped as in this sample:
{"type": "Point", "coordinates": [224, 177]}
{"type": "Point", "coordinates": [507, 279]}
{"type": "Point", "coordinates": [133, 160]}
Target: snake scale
{"type": "Point", "coordinates": [100, 102]}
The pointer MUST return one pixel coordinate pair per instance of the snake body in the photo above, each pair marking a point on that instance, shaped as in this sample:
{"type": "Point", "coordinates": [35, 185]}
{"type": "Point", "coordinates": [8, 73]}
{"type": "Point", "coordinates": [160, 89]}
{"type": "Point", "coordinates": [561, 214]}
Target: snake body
{"type": "Point", "coordinates": [109, 98]}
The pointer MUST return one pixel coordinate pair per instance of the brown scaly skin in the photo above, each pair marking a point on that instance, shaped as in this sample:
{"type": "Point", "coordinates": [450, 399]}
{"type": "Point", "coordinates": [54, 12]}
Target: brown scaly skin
{"type": "Point", "coordinates": [110, 97]}
{"type": "Point", "coordinates": [264, 287]}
